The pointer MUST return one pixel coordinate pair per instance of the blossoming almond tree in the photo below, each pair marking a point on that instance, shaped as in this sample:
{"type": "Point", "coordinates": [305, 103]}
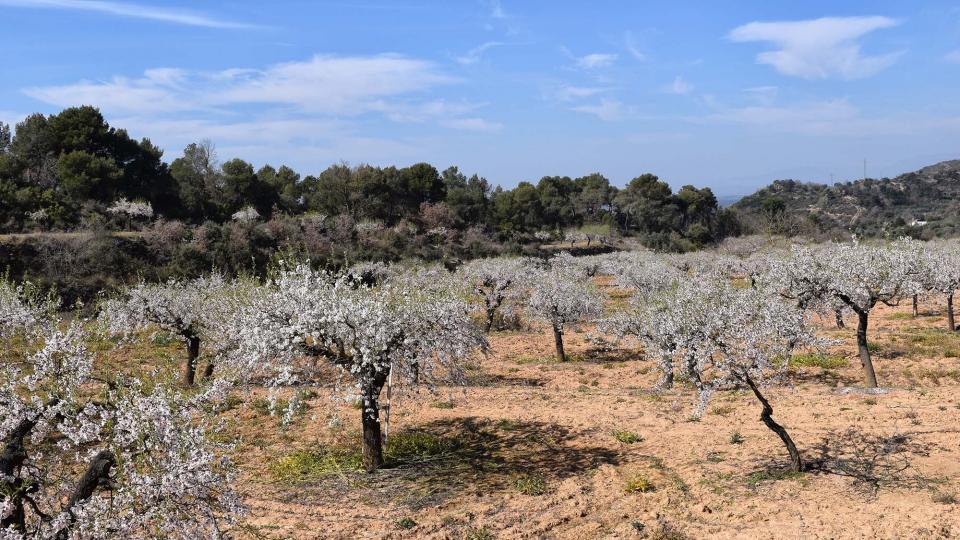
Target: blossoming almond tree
{"type": "Point", "coordinates": [85, 457]}
{"type": "Point", "coordinates": [639, 271]}
{"type": "Point", "coordinates": [728, 337]}
{"type": "Point", "coordinates": [371, 333]}
{"type": "Point", "coordinates": [857, 275]}
{"type": "Point", "coordinates": [943, 266]}
{"type": "Point", "coordinates": [562, 295]}
{"type": "Point", "coordinates": [654, 318]}
{"type": "Point", "coordinates": [495, 281]}
{"type": "Point", "coordinates": [194, 310]}
{"type": "Point", "coordinates": [23, 308]}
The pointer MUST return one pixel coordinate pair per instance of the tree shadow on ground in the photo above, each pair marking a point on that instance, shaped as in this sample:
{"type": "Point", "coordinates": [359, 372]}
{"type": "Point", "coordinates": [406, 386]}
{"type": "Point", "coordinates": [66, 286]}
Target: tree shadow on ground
{"type": "Point", "coordinates": [605, 355]}
{"type": "Point", "coordinates": [873, 462]}
{"type": "Point", "coordinates": [490, 379]}
{"type": "Point", "coordinates": [483, 456]}
{"type": "Point", "coordinates": [826, 377]}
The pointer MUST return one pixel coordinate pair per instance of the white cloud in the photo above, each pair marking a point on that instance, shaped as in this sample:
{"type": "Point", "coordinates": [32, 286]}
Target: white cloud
{"type": "Point", "coordinates": [335, 84]}
{"type": "Point", "coordinates": [571, 93]}
{"type": "Point", "coordinates": [472, 124]}
{"type": "Point", "coordinates": [156, 91]}
{"type": "Point", "coordinates": [304, 106]}
{"type": "Point", "coordinates": [596, 60]}
{"type": "Point", "coordinates": [814, 118]}
{"type": "Point", "coordinates": [496, 10]}
{"type": "Point", "coordinates": [11, 118]}
{"type": "Point", "coordinates": [308, 144]}
{"type": "Point", "coordinates": [610, 110]}
{"type": "Point", "coordinates": [475, 54]}
{"type": "Point", "coordinates": [136, 11]}
{"type": "Point", "coordinates": [819, 48]}
{"type": "Point", "coordinates": [762, 94]}
{"type": "Point", "coordinates": [679, 87]}
{"type": "Point", "coordinates": [324, 84]}
{"type": "Point", "coordinates": [953, 57]}
{"type": "Point", "coordinates": [633, 49]}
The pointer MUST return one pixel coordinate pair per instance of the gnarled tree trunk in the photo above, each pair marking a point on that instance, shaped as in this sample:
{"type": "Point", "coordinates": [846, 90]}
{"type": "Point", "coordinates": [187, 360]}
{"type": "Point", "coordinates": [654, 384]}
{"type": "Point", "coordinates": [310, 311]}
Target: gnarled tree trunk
{"type": "Point", "coordinates": [865, 360]}
{"type": "Point", "coordinates": [666, 379]}
{"type": "Point", "coordinates": [838, 314]}
{"type": "Point", "coordinates": [370, 418]}
{"type": "Point", "coordinates": [951, 323]}
{"type": "Point", "coordinates": [766, 415]}
{"type": "Point", "coordinates": [558, 342]}
{"type": "Point", "coordinates": [916, 307]}
{"type": "Point", "coordinates": [13, 487]}
{"type": "Point", "coordinates": [190, 365]}
{"type": "Point", "coordinates": [208, 370]}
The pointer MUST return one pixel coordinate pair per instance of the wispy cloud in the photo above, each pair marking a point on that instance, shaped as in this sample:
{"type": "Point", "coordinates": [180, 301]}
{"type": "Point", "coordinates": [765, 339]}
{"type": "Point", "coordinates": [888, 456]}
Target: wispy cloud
{"type": "Point", "coordinates": [817, 118]}
{"type": "Point", "coordinates": [819, 48]}
{"type": "Point", "coordinates": [475, 54]}
{"type": "Point", "coordinates": [610, 110]}
{"type": "Point", "coordinates": [496, 10]}
{"type": "Point", "coordinates": [596, 60]}
{"type": "Point", "coordinates": [571, 93]}
{"type": "Point", "coordinates": [631, 45]}
{"type": "Point", "coordinates": [679, 87]}
{"type": "Point", "coordinates": [287, 100]}
{"type": "Point", "coordinates": [338, 85]}
{"type": "Point", "coordinates": [953, 57]}
{"type": "Point", "coordinates": [764, 95]}
{"type": "Point", "coordinates": [138, 11]}
{"type": "Point", "coordinates": [319, 107]}
{"type": "Point", "coordinates": [472, 124]}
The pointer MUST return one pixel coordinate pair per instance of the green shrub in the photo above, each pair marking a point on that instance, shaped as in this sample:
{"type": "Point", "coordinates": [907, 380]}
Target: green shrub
{"type": "Point", "coordinates": [627, 437]}
{"type": "Point", "coordinates": [638, 484]}
{"type": "Point", "coordinates": [406, 523]}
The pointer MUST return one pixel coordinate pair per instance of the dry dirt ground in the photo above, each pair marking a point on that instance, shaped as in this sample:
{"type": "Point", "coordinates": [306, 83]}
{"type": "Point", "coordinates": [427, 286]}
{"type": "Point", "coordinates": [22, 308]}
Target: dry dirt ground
{"type": "Point", "coordinates": [532, 448]}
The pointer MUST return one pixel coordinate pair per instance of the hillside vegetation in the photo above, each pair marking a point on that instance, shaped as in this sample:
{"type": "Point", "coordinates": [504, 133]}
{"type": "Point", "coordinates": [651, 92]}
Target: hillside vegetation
{"type": "Point", "coordinates": [923, 204]}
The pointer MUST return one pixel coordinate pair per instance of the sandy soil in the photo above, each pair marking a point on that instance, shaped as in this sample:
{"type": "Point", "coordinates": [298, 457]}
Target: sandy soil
{"type": "Point", "coordinates": [884, 466]}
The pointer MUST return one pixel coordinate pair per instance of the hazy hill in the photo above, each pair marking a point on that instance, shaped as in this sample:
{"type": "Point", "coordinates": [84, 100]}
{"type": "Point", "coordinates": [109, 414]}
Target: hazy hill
{"type": "Point", "coordinates": [923, 203]}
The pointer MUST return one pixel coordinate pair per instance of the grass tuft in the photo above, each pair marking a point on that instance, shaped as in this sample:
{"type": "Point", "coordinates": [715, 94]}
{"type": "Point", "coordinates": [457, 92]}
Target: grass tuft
{"type": "Point", "coordinates": [638, 484]}
{"type": "Point", "coordinates": [819, 360]}
{"type": "Point", "coordinates": [479, 533]}
{"type": "Point", "coordinates": [627, 437]}
{"type": "Point", "coordinates": [404, 448]}
{"type": "Point", "coordinates": [531, 484]}
{"type": "Point", "coordinates": [442, 405]}
{"type": "Point", "coordinates": [406, 523]}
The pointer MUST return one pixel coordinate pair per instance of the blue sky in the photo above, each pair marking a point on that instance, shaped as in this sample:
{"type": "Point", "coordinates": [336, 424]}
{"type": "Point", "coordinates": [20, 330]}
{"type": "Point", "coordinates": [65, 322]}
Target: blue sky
{"type": "Point", "coordinates": [723, 94]}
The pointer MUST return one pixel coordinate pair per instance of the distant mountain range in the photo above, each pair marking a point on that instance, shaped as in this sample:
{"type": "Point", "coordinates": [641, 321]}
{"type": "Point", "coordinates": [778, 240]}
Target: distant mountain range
{"type": "Point", "coordinates": [924, 203]}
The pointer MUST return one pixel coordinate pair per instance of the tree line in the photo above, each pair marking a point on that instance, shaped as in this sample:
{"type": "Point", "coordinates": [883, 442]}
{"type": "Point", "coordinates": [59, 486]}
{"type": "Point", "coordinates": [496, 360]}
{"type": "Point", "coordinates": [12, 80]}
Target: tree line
{"type": "Point", "coordinates": [72, 170]}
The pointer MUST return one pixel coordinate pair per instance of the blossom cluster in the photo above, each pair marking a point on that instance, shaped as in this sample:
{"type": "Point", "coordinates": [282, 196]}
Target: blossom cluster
{"type": "Point", "coordinates": [150, 468]}
{"type": "Point", "coordinates": [138, 209]}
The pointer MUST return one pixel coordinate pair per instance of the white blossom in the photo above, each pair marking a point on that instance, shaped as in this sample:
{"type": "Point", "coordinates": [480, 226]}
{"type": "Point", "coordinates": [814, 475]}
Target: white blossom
{"type": "Point", "coordinates": [856, 276]}
{"type": "Point", "coordinates": [195, 311]}
{"type": "Point", "coordinates": [498, 283]}
{"type": "Point", "coordinates": [562, 295]}
{"type": "Point", "coordinates": [136, 209]}
{"type": "Point", "coordinates": [247, 214]}
{"type": "Point", "coordinates": [370, 332]}
{"type": "Point", "coordinates": [150, 471]}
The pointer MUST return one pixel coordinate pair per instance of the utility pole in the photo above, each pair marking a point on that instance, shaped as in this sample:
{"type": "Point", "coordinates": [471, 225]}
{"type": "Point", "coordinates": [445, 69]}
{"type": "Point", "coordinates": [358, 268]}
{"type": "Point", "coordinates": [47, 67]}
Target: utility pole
{"type": "Point", "coordinates": [864, 168]}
